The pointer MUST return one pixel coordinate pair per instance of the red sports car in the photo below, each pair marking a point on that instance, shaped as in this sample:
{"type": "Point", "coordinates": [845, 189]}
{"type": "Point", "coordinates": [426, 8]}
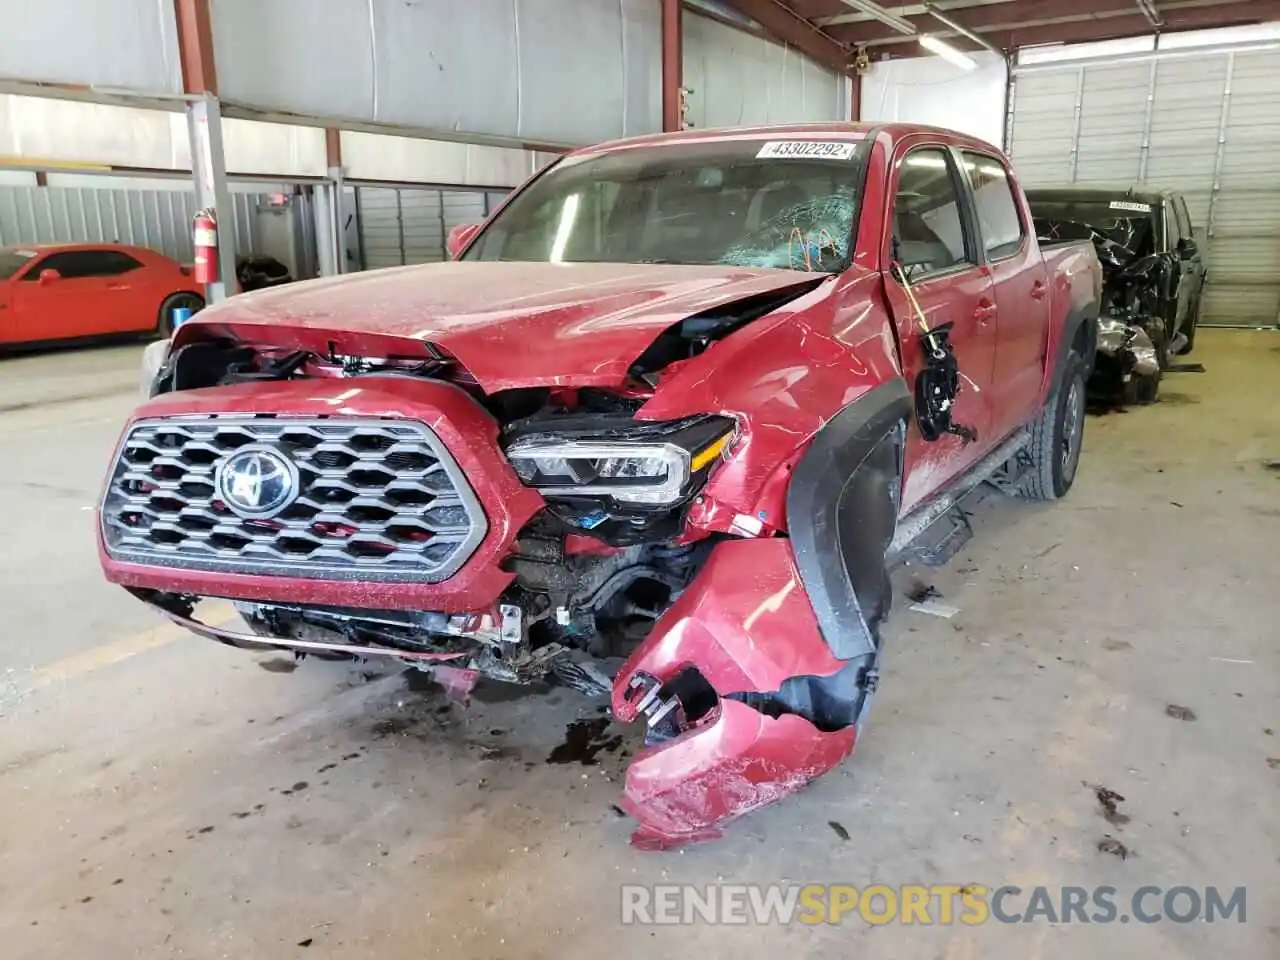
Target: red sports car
{"type": "Point", "coordinates": [85, 290]}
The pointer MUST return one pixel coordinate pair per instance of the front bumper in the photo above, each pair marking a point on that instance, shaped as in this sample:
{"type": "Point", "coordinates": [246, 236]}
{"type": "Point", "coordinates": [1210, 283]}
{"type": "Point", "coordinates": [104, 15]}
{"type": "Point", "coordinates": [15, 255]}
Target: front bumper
{"type": "Point", "coordinates": [747, 626]}
{"type": "Point", "coordinates": [745, 623]}
{"type": "Point", "coordinates": [460, 423]}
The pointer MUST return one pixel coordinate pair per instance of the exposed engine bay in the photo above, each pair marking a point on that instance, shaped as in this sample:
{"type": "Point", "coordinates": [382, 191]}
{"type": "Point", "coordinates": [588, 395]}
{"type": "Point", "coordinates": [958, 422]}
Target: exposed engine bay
{"type": "Point", "coordinates": [1133, 341]}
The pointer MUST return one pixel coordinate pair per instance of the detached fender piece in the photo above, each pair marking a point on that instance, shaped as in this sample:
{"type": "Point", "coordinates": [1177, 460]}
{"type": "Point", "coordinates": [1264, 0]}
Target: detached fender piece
{"type": "Point", "coordinates": [684, 791]}
{"type": "Point", "coordinates": [746, 626]}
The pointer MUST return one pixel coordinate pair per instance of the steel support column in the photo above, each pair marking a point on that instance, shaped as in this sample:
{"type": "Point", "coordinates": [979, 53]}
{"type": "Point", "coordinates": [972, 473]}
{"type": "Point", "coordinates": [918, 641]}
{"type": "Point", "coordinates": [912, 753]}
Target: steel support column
{"type": "Point", "coordinates": [204, 130]}
{"type": "Point", "coordinates": [1219, 156]}
{"type": "Point", "coordinates": [1075, 128]}
{"type": "Point", "coordinates": [208, 167]}
{"type": "Point", "coordinates": [672, 65]}
{"type": "Point", "coordinates": [337, 207]}
{"type": "Point", "coordinates": [1144, 154]}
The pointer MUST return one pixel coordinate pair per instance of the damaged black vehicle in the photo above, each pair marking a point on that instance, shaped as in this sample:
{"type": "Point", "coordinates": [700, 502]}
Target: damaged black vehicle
{"type": "Point", "coordinates": [1153, 278]}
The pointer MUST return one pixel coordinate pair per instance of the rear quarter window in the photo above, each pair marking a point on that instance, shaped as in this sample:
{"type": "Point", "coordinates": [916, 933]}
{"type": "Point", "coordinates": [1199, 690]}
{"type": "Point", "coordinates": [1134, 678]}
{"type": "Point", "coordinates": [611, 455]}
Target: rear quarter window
{"type": "Point", "coordinates": [1003, 231]}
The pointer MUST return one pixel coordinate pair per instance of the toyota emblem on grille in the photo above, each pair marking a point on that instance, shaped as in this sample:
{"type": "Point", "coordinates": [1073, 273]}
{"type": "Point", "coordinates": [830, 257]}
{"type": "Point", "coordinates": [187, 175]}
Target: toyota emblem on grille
{"type": "Point", "coordinates": [257, 482]}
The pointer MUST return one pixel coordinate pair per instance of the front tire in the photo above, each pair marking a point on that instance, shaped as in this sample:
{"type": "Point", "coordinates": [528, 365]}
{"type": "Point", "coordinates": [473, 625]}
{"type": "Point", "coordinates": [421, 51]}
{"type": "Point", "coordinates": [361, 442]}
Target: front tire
{"type": "Point", "coordinates": [1057, 436]}
{"type": "Point", "coordinates": [164, 323]}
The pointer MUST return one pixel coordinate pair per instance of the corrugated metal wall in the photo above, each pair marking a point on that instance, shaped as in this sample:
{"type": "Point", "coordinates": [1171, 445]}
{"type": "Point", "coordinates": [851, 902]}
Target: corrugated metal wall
{"type": "Point", "coordinates": [400, 226]}
{"type": "Point", "coordinates": [737, 77]}
{"type": "Point", "coordinates": [123, 43]}
{"type": "Point", "coordinates": [488, 67]}
{"type": "Point", "coordinates": [1206, 125]}
{"type": "Point", "coordinates": [159, 219]}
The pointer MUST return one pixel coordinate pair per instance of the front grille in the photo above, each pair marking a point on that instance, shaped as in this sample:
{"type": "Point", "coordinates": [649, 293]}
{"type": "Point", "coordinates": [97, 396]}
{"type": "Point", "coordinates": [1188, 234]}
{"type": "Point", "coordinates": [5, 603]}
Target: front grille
{"type": "Point", "coordinates": [371, 499]}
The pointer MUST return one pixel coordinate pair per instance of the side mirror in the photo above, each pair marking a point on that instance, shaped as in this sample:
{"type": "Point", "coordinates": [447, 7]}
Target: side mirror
{"type": "Point", "coordinates": [48, 275]}
{"type": "Point", "coordinates": [459, 237]}
{"type": "Point", "coordinates": [1188, 248]}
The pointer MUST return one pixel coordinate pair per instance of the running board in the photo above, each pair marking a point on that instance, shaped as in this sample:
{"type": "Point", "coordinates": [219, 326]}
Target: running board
{"type": "Point", "coordinates": [912, 526]}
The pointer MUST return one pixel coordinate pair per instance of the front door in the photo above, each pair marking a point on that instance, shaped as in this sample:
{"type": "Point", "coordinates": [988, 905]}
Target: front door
{"type": "Point", "coordinates": [933, 240]}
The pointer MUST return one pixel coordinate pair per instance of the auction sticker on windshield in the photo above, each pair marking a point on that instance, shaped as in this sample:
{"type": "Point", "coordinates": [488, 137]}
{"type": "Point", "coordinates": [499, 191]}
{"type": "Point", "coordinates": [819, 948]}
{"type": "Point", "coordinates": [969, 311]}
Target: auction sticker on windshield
{"type": "Point", "coordinates": [1130, 205]}
{"type": "Point", "coordinates": [806, 150]}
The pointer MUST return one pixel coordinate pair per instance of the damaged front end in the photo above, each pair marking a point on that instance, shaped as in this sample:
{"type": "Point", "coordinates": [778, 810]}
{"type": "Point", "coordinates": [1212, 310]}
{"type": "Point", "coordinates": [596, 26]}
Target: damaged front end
{"type": "Point", "coordinates": [1133, 339]}
{"type": "Point", "coordinates": [719, 575]}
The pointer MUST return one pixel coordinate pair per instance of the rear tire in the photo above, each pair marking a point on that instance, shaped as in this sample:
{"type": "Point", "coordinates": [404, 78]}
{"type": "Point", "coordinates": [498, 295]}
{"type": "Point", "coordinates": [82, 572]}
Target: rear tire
{"type": "Point", "coordinates": [1191, 332]}
{"type": "Point", "coordinates": [164, 324]}
{"type": "Point", "coordinates": [1056, 437]}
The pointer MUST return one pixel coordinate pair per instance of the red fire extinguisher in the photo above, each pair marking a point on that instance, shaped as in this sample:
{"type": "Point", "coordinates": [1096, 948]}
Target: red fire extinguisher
{"type": "Point", "coordinates": [204, 237]}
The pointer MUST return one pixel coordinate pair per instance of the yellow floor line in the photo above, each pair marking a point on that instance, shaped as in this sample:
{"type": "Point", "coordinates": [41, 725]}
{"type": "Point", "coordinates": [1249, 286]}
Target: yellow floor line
{"type": "Point", "coordinates": [163, 633]}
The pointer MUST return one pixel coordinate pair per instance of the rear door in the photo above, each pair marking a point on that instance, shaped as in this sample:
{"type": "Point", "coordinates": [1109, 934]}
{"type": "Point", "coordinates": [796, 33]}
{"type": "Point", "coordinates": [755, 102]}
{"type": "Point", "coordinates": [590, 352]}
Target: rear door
{"type": "Point", "coordinates": [933, 238]}
{"type": "Point", "coordinates": [1021, 288]}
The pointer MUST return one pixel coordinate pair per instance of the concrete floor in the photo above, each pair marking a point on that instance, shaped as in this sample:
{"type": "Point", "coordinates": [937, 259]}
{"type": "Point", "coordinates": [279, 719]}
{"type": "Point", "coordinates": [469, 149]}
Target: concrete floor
{"type": "Point", "coordinates": [164, 796]}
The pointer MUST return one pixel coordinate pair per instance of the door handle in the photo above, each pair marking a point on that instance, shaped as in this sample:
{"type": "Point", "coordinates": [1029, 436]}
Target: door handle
{"type": "Point", "coordinates": [985, 312]}
{"type": "Point", "coordinates": [1038, 290]}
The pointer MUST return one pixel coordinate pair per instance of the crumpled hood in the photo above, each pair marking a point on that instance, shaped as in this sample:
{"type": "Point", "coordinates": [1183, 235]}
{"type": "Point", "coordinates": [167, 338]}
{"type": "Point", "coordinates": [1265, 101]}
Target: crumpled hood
{"type": "Point", "coordinates": [508, 324]}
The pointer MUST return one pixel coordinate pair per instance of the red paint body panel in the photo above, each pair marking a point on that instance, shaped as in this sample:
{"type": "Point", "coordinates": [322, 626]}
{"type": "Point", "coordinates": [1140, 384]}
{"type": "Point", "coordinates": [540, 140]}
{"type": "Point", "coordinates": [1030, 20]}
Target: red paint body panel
{"type": "Point", "coordinates": [746, 624]}
{"type": "Point", "coordinates": [782, 378]}
{"type": "Point", "coordinates": [69, 308]}
{"type": "Point", "coordinates": [683, 792]}
{"type": "Point", "coordinates": [467, 429]}
{"type": "Point", "coordinates": [509, 324]}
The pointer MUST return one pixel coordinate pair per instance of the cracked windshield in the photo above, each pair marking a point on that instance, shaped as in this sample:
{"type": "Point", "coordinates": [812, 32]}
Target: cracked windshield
{"type": "Point", "coordinates": [788, 205]}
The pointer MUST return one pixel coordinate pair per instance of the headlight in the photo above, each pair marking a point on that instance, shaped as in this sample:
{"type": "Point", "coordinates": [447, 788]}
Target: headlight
{"type": "Point", "coordinates": [629, 462]}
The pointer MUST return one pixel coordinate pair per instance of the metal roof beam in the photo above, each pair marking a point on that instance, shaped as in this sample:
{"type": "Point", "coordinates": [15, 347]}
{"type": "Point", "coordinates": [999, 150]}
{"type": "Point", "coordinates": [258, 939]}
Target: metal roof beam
{"type": "Point", "coordinates": [1087, 17]}
{"type": "Point", "coordinates": [783, 23]}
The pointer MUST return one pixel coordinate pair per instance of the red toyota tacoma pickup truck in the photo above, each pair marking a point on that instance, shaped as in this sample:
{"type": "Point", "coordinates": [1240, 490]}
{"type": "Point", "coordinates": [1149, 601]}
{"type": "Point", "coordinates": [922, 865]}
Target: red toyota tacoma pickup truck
{"type": "Point", "coordinates": [682, 400]}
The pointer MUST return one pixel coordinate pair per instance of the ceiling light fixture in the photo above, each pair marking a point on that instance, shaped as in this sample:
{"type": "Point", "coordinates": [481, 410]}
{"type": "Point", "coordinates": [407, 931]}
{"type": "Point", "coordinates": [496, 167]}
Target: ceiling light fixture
{"type": "Point", "coordinates": [961, 29]}
{"type": "Point", "coordinates": [947, 52]}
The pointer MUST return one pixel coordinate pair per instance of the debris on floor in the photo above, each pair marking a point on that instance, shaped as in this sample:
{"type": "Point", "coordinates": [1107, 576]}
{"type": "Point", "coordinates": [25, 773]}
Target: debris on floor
{"type": "Point", "coordinates": [838, 829]}
{"type": "Point", "coordinates": [1109, 801]}
{"type": "Point", "coordinates": [1109, 844]}
{"type": "Point", "coordinates": [583, 740]}
{"type": "Point", "coordinates": [1180, 713]}
{"type": "Point", "coordinates": [920, 591]}
{"type": "Point", "coordinates": [1273, 465]}
{"type": "Point", "coordinates": [1273, 763]}
{"type": "Point", "coordinates": [278, 665]}
{"type": "Point", "coordinates": [935, 609]}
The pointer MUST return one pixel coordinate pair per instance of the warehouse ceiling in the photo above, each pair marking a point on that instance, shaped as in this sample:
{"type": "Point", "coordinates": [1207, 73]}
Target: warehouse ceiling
{"type": "Point", "coordinates": [830, 29]}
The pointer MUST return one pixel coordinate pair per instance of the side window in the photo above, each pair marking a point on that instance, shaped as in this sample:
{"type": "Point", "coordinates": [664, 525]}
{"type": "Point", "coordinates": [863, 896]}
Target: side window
{"type": "Point", "coordinates": [1184, 217]}
{"type": "Point", "coordinates": [85, 263]}
{"type": "Point", "coordinates": [111, 263]}
{"type": "Point", "coordinates": [928, 227]}
{"type": "Point", "coordinates": [998, 217]}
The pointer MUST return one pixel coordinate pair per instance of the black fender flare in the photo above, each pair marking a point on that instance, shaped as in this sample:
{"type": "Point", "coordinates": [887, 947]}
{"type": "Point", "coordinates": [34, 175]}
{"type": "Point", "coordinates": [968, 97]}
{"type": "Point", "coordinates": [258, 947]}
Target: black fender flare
{"type": "Point", "coordinates": [1079, 315]}
{"type": "Point", "coordinates": [842, 511]}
